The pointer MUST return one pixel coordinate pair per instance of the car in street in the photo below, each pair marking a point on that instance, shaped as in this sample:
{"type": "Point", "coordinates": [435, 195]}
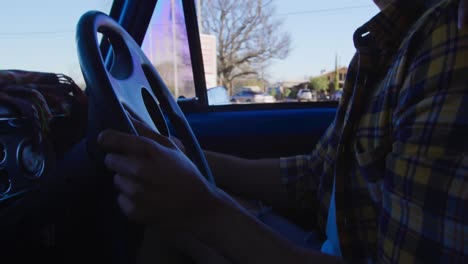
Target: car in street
{"type": "Point", "coordinates": [306, 95]}
{"type": "Point", "coordinates": [249, 96]}
{"type": "Point", "coordinates": [336, 96]}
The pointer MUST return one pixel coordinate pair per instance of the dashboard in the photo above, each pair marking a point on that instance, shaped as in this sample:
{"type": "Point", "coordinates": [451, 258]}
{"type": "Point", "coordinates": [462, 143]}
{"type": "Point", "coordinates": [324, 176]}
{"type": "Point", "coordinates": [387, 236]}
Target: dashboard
{"type": "Point", "coordinates": [22, 166]}
{"type": "Point", "coordinates": [25, 172]}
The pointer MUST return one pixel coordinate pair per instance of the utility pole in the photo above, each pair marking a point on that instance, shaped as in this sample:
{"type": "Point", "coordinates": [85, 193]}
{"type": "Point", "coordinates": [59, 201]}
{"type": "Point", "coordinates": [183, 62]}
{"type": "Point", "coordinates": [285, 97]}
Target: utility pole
{"type": "Point", "coordinates": [199, 16]}
{"type": "Point", "coordinates": [337, 76]}
{"type": "Point", "coordinates": [262, 77]}
{"type": "Point", "coordinates": [174, 49]}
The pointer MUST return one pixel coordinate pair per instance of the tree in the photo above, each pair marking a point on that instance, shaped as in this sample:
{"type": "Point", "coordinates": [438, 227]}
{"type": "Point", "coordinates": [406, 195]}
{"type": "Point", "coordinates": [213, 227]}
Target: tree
{"type": "Point", "coordinates": [319, 83]}
{"type": "Point", "coordinates": [248, 35]}
{"type": "Point", "coordinates": [287, 92]}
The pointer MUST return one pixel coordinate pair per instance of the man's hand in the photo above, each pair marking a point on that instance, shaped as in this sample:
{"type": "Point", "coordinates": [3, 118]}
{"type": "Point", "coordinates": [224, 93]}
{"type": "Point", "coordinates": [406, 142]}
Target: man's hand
{"type": "Point", "coordinates": [178, 143]}
{"type": "Point", "coordinates": [157, 182]}
{"type": "Point", "coordinates": [463, 14]}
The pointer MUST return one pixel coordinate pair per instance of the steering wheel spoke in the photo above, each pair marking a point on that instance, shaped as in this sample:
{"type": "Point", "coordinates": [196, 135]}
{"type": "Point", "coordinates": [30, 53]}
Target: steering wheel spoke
{"type": "Point", "coordinates": [126, 83]}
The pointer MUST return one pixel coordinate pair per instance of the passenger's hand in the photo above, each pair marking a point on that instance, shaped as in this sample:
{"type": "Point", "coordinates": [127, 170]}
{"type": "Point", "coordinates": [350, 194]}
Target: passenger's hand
{"type": "Point", "coordinates": [463, 14]}
{"type": "Point", "coordinates": [157, 182]}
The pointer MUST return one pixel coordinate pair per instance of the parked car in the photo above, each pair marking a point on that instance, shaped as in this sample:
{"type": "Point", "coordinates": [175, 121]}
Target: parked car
{"type": "Point", "coordinates": [252, 97]}
{"type": "Point", "coordinates": [336, 96]}
{"type": "Point", "coordinates": [306, 95]}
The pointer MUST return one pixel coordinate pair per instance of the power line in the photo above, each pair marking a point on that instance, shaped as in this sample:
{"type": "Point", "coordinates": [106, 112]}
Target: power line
{"type": "Point", "coordinates": [325, 10]}
{"type": "Point", "coordinates": [55, 32]}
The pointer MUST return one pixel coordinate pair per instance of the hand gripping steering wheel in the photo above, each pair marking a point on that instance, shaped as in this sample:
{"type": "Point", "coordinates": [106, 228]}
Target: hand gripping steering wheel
{"type": "Point", "coordinates": [124, 84]}
{"type": "Point", "coordinates": [127, 84]}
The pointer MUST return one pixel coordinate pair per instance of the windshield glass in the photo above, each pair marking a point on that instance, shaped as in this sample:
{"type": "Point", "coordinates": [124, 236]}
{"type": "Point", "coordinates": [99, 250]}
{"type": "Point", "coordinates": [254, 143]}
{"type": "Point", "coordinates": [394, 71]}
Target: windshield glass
{"type": "Point", "coordinates": [40, 35]}
{"type": "Point", "coordinates": [166, 45]}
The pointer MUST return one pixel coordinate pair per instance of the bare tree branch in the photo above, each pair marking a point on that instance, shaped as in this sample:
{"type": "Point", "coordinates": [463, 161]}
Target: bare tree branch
{"type": "Point", "coordinates": [248, 36]}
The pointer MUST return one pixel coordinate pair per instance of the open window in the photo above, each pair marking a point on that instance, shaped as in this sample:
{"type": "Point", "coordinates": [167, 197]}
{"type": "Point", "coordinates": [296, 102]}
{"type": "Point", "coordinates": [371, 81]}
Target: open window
{"type": "Point", "coordinates": [257, 52]}
{"type": "Point", "coordinates": [286, 105]}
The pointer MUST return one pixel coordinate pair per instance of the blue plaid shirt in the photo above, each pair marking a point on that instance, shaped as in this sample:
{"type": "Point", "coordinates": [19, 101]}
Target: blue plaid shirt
{"type": "Point", "coordinates": [397, 148]}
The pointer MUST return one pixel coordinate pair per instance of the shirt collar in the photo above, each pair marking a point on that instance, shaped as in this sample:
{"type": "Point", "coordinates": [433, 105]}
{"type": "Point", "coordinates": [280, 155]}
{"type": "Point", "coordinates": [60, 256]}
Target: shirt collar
{"type": "Point", "coordinates": [387, 29]}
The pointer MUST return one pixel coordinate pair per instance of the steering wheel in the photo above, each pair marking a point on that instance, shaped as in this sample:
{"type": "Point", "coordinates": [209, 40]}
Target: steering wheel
{"type": "Point", "coordinates": [125, 85]}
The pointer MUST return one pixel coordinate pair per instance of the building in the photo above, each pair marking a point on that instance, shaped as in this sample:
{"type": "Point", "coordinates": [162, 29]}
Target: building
{"type": "Point", "coordinates": [208, 46]}
{"type": "Point", "coordinates": [292, 83]}
{"type": "Point", "coordinates": [342, 73]}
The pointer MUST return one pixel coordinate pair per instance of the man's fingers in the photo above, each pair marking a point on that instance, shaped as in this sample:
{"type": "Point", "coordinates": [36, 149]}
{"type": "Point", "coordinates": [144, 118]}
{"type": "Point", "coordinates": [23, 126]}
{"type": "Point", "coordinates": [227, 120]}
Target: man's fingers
{"type": "Point", "coordinates": [178, 143]}
{"type": "Point", "coordinates": [114, 141]}
{"type": "Point", "coordinates": [130, 208]}
{"type": "Point", "coordinates": [145, 131]}
{"type": "Point", "coordinates": [129, 167]}
{"type": "Point", "coordinates": [463, 14]}
{"type": "Point", "coordinates": [133, 169]}
{"type": "Point", "coordinates": [142, 128]}
{"type": "Point", "coordinates": [122, 164]}
{"type": "Point", "coordinates": [134, 190]}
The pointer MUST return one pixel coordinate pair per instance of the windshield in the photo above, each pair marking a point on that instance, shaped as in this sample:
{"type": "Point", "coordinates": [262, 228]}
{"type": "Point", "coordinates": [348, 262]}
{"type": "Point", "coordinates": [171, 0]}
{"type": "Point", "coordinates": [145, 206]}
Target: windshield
{"type": "Point", "coordinates": [40, 35]}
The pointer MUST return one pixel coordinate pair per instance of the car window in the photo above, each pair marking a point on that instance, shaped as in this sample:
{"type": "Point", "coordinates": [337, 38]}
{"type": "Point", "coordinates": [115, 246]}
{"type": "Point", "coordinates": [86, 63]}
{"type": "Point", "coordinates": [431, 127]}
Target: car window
{"type": "Point", "coordinates": [40, 35]}
{"type": "Point", "coordinates": [166, 45]}
{"type": "Point", "coordinates": [280, 47]}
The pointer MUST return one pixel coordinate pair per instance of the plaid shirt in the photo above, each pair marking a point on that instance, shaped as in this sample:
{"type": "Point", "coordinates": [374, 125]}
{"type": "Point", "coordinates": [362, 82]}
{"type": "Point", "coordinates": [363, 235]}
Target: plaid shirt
{"type": "Point", "coordinates": [397, 147]}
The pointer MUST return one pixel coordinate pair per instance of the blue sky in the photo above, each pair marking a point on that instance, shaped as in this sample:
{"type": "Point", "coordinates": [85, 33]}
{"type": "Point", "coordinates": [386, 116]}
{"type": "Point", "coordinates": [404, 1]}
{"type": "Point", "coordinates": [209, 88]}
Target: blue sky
{"type": "Point", "coordinates": [318, 30]}
{"type": "Point", "coordinates": [38, 35]}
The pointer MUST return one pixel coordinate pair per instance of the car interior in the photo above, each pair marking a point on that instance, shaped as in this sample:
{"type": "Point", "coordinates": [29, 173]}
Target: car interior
{"type": "Point", "coordinates": [57, 203]}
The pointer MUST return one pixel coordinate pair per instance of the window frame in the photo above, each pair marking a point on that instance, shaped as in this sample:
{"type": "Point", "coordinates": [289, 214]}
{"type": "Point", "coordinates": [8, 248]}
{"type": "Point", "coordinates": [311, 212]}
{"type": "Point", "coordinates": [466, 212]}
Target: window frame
{"type": "Point", "coordinates": [143, 10]}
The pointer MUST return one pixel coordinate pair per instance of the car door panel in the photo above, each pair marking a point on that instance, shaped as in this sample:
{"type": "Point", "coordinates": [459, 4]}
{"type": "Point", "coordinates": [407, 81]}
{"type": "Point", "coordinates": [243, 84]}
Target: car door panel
{"type": "Point", "coordinates": [261, 133]}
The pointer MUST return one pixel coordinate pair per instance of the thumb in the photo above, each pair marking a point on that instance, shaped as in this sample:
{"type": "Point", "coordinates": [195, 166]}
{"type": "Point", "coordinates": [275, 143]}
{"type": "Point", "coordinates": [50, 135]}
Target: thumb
{"type": "Point", "coordinates": [145, 131]}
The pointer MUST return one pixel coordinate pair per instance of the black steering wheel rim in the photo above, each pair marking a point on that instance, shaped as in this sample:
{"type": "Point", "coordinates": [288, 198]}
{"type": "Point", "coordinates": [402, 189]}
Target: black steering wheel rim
{"type": "Point", "coordinates": [126, 88]}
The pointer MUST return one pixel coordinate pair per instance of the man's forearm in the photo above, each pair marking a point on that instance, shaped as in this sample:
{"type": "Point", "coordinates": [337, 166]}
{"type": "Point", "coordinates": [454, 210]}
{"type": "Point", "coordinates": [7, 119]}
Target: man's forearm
{"type": "Point", "coordinates": [241, 238]}
{"type": "Point", "coordinates": [255, 179]}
